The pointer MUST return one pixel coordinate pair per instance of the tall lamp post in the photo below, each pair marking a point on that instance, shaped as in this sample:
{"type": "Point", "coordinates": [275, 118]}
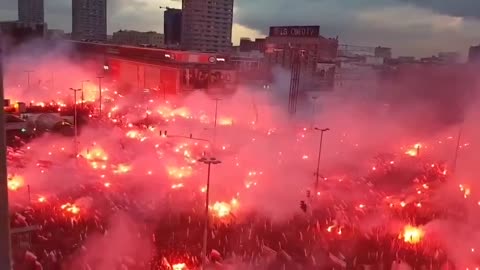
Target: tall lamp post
{"type": "Point", "coordinates": [319, 156]}
{"type": "Point", "coordinates": [28, 77]}
{"type": "Point", "coordinates": [5, 249]}
{"type": "Point", "coordinates": [209, 162]}
{"type": "Point", "coordinates": [83, 99]}
{"type": "Point", "coordinates": [100, 95]}
{"type": "Point", "coordinates": [75, 118]}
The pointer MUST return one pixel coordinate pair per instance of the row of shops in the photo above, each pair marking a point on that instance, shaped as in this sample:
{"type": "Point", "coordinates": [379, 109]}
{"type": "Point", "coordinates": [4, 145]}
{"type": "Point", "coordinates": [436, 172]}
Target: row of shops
{"type": "Point", "coordinates": [175, 71]}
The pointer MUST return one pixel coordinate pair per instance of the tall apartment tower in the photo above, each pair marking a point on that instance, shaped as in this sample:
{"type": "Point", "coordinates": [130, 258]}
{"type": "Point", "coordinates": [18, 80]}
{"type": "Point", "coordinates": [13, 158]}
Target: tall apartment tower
{"type": "Point", "coordinates": [172, 28]}
{"type": "Point", "coordinates": [207, 25]}
{"type": "Point", "coordinates": [89, 20]}
{"type": "Point", "coordinates": [31, 11]}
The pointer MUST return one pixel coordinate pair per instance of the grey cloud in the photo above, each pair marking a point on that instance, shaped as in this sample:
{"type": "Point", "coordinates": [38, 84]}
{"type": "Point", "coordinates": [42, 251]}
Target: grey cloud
{"type": "Point", "coordinates": [336, 18]}
{"type": "Point", "coordinates": [462, 8]}
{"type": "Point", "coordinates": [123, 14]}
{"type": "Point", "coordinates": [341, 18]}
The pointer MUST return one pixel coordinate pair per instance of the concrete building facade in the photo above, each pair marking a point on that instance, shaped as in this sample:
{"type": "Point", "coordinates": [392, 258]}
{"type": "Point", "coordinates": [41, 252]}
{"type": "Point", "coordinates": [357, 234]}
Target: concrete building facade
{"type": "Point", "coordinates": [31, 11]}
{"type": "Point", "coordinates": [207, 25]}
{"type": "Point", "coordinates": [89, 20]}
{"type": "Point", "coordinates": [288, 45]}
{"type": "Point", "coordinates": [248, 45]}
{"type": "Point", "coordinates": [383, 52]}
{"type": "Point", "coordinates": [281, 48]}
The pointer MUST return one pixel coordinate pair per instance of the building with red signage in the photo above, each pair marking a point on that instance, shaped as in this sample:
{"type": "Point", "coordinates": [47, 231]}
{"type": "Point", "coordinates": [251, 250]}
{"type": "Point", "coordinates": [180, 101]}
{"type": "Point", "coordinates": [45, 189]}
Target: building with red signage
{"type": "Point", "coordinates": [168, 71]}
{"type": "Point", "coordinates": [318, 53]}
{"type": "Point", "coordinates": [284, 41]}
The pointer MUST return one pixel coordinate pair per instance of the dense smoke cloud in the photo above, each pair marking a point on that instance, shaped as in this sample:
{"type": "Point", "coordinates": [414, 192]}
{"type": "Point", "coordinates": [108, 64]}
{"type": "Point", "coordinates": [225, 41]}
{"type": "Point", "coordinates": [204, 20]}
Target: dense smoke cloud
{"type": "Point", "coordinates": [269, 157]}
{"type": "Point", "coordinates": [124, 244]}
{"type": "Point", "coordinates": [52, 71]}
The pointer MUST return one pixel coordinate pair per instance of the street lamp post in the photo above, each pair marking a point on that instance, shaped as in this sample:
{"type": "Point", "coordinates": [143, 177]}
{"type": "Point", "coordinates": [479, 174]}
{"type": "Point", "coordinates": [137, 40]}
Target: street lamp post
{"type": "Point", "coordinates": [5, 248]}
{"type": "Point", "coordinates": [100, 95]}
{"type": "Point", "coordinates": [209, 162]}
{"type": "Point", "coordinates": [319, 155]}
{"type": "Point", "coordinates": [75, 118]}
{"type": "Point", "coordinates": [83, 99]}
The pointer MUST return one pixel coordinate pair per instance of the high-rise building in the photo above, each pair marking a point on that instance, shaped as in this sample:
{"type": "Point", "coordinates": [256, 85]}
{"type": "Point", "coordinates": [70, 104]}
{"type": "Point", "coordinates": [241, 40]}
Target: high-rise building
{"type": "Point", "coordinates": [172, 26]}
{"type": "Point", "coordinates": [207, 25]}
{"type": "Point", "coordinates": [89, 20]}
{"type": "Point", "coordinates": [30, 11]}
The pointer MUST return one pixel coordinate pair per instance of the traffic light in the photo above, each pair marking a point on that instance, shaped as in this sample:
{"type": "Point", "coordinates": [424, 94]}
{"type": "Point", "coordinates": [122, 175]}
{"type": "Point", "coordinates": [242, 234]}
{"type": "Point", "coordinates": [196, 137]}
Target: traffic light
{"type": "Point", "coordinates": [303, 206]}
{"type": "Point", "coordinates": [309, 193]}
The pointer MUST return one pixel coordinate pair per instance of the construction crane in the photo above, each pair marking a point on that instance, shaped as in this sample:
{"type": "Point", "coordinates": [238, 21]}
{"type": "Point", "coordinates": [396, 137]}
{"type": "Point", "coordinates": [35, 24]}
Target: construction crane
{"type": "Point", "coordinates": [166, 8]}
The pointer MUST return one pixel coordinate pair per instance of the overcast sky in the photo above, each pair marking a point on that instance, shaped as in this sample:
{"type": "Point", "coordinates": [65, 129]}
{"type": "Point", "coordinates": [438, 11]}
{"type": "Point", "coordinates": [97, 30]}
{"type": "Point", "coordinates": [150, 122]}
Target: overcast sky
{"type": "Point", "coordinates": [410, 27]}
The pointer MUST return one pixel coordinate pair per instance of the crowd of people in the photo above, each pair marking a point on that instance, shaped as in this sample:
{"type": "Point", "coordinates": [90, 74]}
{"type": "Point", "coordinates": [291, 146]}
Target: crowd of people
{"type": "Point", "coordinates": [329, 234]}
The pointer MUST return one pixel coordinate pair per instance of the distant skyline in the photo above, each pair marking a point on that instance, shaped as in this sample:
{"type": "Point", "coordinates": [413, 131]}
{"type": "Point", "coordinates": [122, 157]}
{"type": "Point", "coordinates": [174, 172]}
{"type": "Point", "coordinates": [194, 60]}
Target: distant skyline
{"type": "Point", "coordinates": [410, 27]}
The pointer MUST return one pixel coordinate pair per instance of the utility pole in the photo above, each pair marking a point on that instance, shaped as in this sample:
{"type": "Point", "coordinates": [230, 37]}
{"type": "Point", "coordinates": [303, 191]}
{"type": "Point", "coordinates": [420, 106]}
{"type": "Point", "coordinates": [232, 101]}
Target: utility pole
{"type": "Point", "coordinates": [100, 95]}
{"type": "Point", "coordinates": [5, 248]}
{"type": "Point", "coordinates": [75, 119]}
{"type": "Point", "coordinates": [28, 77]}
{"type": "Point", "coordinates": [83, 99]}
{"type": "Point", "coordinates": [319, 156]}
{"type": "Point", "coordinates": [215, 123]}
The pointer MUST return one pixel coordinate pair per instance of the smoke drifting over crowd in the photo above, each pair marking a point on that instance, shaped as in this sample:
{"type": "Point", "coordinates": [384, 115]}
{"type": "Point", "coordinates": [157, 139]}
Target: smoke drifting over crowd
{"type": "Point", "coordinates": [133, 197]}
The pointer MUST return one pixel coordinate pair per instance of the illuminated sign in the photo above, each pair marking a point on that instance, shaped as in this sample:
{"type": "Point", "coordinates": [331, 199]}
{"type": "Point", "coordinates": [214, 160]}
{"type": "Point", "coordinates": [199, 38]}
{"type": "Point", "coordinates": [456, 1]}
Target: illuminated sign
{"type": "Point", "coordinates": [295, 31]}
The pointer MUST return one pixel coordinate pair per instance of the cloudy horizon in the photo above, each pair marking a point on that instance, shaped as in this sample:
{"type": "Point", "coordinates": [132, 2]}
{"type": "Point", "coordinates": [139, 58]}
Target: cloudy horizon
{"type": "Point", "coordinates": [410, 27]}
